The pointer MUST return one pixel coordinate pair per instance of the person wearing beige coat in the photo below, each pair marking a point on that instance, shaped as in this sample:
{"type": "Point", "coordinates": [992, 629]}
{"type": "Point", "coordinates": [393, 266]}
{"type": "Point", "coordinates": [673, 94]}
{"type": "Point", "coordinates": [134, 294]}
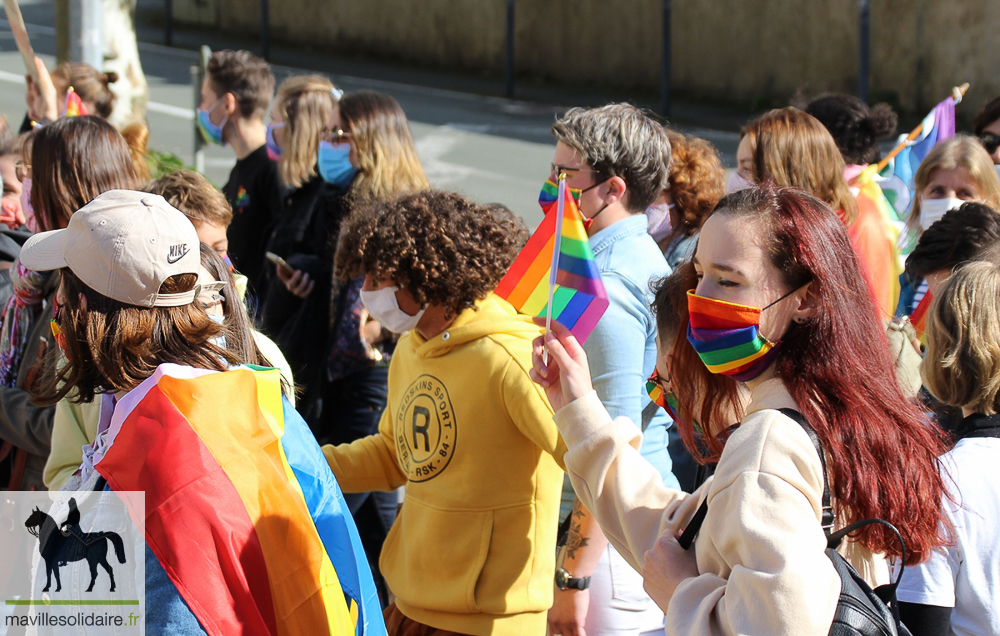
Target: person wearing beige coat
{"type": "Point", "coordinates": [780, 306]}
{"type": "Point", "coordinates": [761, 538]}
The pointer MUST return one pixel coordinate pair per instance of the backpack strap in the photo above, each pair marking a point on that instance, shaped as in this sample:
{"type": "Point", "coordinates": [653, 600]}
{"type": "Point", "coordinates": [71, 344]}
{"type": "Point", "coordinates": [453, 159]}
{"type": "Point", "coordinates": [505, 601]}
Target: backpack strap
{"type": "Point", "coordinates": [827, 518]}
{"type": "Point", "coordinates": [687, 537]}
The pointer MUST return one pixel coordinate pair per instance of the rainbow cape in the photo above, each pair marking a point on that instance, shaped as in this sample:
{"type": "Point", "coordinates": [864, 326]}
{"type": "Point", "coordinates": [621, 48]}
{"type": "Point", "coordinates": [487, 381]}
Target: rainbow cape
{"type": "Point", "coordinates": [74, 105]}
{"type": "Point", "coordinates": [871, 197]}
{"type": "Point", "coordinates": [242, 509]}
{"type": "Point", "coordinates": [578, 296]}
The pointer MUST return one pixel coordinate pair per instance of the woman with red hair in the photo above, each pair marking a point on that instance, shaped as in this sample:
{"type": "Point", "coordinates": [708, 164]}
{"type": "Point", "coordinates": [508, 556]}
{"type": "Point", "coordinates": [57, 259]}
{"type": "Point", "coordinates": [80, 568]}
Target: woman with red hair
{"type": "Point", "coordinates": [777, 308]}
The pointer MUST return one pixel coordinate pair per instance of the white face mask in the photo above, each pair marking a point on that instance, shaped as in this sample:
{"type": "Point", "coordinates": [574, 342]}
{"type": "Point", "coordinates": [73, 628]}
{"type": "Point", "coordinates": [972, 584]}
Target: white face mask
{"type": "Point", "coordinates": [737, 183]}
{"type": "Point", "coordinates": [383, 307]}
{"type": "Point", "coordinates": [658, 220]}
{"type": "Point", "coordinates": [933, 209]}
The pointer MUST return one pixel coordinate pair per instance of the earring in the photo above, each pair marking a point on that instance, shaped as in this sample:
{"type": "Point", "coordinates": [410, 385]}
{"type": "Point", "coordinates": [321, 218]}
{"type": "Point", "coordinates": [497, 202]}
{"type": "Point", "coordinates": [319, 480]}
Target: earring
{"type": "Point", "coordinates": [800, 320]}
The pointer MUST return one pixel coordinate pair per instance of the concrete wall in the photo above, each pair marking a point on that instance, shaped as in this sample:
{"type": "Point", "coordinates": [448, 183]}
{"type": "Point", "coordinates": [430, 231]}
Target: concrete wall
{"type": "Point", "coordinates": [752, 51]}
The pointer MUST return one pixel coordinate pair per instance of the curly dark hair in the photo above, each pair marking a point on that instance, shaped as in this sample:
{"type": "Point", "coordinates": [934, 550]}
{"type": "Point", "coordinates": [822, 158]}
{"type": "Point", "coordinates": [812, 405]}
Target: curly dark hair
{"type": "Point", "coordinates": [439, 246]}
{"type": "Point", "coordinates": [959, 236]}
{"type": "Point", "coordinates": [855, 127]}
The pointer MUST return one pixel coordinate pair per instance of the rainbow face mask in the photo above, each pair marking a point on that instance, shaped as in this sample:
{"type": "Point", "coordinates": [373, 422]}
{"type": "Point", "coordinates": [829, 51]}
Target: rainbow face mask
{"type": "Point", "coordinates": [667, 400]}
{"type": "Point", "coordinates": [727, 337]}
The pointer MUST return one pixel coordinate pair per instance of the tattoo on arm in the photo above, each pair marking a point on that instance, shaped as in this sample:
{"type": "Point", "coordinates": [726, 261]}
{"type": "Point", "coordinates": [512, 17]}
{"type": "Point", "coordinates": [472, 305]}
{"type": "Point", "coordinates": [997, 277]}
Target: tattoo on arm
{"type": "Point", "coordinates": [574, 542]}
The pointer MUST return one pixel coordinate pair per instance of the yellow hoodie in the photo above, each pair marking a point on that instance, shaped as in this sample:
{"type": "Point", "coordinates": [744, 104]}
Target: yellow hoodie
{"type": "Point", "coordinates": [472, 438]}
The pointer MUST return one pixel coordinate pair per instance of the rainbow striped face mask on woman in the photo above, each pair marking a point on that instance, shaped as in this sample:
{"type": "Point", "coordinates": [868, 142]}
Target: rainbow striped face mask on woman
{"type": "Point", "coordinates": [727, 337]}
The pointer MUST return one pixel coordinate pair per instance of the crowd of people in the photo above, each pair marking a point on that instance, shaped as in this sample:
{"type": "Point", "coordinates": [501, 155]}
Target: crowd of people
{"type": "Point", "coordinates": [778, 359]}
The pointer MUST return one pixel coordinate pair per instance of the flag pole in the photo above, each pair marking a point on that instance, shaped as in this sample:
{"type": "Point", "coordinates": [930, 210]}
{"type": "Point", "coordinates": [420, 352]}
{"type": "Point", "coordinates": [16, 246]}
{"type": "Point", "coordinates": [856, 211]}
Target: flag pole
{"type": "Point", "coordinates": [553, 270]}
{"type": "Point", "coordinates": [956, 94]}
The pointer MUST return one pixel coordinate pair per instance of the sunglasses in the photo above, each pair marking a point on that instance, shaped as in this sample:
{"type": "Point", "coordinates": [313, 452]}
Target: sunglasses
{"type": "Point", "coordinates": [990, 141]}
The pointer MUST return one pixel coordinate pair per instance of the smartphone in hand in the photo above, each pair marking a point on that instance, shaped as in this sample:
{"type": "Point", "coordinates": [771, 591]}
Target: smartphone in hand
{"type": "Point", "coordinates": [280, 262]}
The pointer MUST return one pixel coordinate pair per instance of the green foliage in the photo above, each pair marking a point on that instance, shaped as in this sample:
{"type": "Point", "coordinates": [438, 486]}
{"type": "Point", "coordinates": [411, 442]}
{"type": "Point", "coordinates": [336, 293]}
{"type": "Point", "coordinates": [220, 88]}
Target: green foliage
{"type": "Point", "coordinates": [161, 163]}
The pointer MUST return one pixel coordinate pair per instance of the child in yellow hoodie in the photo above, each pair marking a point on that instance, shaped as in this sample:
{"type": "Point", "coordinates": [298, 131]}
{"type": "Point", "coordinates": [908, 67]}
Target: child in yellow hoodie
{"type": "Point", "coordinates": [465, 429]}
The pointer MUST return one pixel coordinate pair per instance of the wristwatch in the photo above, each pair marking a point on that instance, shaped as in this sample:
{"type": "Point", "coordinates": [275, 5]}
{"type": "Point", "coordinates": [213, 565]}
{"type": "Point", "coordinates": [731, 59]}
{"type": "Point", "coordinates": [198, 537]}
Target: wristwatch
{"type": "Point", "coordinates": [564, 581]}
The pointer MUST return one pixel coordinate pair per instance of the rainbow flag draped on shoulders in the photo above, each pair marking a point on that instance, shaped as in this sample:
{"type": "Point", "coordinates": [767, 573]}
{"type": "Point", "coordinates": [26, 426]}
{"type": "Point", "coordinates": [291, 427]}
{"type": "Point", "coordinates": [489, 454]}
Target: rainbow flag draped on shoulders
{"type": "Point", "coordinates": [557, 266]}
{"type": "Point", "coordinates": [242, 510]}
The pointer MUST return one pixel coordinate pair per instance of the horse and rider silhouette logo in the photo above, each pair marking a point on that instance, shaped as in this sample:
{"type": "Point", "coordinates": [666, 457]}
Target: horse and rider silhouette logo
{"type": "Point", "coordinates": [64, 543]}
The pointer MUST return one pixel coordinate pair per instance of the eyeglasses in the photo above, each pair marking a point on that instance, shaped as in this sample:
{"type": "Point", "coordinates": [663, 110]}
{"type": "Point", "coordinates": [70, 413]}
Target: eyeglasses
{"type": "Point", "coordinates": [22, 171]}
{"type": "Point", "coordinates": [570, 171]}
{"type": "Point", "coordinates": [340, 136]}
{"type": "Point", "coordinates": [990, 141]}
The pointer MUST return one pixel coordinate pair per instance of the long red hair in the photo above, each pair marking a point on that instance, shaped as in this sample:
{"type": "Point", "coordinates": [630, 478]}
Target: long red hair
{"type": "Point", "coordinates": [883, 454]}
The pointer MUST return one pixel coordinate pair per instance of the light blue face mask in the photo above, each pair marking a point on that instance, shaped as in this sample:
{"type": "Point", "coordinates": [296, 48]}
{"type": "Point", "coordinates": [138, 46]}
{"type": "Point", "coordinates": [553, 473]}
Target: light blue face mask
{"type": "Point", "coordinates": [220, 340]}
{"type": "Point", "coordinates": [211, 133]}
{"type": "Point", "coordinates": [335, 163]}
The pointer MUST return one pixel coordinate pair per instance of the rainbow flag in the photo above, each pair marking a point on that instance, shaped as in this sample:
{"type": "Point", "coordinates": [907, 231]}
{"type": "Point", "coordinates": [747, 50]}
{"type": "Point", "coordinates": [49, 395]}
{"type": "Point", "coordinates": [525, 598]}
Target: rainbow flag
{"type": "Point", "coordinates": [919, 315]}
{"type": "Point", "coordinates": [937, 126]}
{"type": "Point", "coordinates": [242, 509]}
{"type": "Point", "coordinates": [74, 105]}
{"type": "Point", "coordinates": [576, 290]}
{"type": "Point", "coordinates": [872, 200]}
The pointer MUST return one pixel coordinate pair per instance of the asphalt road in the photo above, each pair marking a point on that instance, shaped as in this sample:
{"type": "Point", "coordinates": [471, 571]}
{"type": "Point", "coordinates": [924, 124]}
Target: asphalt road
{"type": "Point", "coordinates": [489, 148]}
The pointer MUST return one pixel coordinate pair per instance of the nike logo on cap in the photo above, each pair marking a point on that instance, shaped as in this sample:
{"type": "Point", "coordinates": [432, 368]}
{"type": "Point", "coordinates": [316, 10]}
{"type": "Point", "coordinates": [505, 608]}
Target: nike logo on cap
{"type": "Point", "coordinates": [177, 252]}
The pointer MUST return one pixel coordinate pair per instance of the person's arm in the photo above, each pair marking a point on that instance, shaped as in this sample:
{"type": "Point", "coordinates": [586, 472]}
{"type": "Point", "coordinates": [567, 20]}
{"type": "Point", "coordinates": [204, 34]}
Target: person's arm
{"type": "Point", "coordinates": [585, 544]}
{"type": "Point", "coordinates": [611, 478]}
{"type": "Point", "coordinates": [369, 463]}
{"type": "Point", "coordinates": [530, 411]}
{"type": "Point", "coordinates": [24, 424]}
{"type": "Point", "coordinates": [925, 620]}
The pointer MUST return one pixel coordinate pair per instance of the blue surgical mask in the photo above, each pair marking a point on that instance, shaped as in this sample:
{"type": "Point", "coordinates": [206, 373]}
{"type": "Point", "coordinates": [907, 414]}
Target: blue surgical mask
{"type": "Point", "coordinates": [209, 131]}
{"type": "Point", "coordinates": [273, 149]}
{"type": "Point", "coordinates": [335, 163]}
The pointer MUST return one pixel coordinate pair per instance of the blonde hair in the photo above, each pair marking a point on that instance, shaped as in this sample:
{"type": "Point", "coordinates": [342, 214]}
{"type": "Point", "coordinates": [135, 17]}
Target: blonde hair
{"type": "Point", "coordinates": [792, 148]}
{"type": "Point", "coordinates": [961, 151]}
{"type": "Point", "coordinates": [387, 161]}
{"type": "Point", "coordinates": [306, 106]}
{"type": "Point", "coordinates": [962, 364]}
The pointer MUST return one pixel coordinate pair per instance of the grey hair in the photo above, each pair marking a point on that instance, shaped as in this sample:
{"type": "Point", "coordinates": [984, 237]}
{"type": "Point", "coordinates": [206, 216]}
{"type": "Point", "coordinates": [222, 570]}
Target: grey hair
{"type": "Point", "coordinates": [620, 140]}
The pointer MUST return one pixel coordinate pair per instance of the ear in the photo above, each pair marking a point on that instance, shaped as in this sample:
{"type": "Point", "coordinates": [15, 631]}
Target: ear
{"type": "Point", "coordinates": [806, 309]}
{"type": "Point", "coordinates": [83, 301]}
{"type": "Point", "coordinates": [616, 190]}
{"type": "Point", "coordinates": [230, 104]}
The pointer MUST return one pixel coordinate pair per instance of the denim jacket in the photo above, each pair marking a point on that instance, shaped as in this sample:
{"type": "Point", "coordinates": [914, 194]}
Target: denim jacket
{"type": "Point", "coordinates": [622, 348]}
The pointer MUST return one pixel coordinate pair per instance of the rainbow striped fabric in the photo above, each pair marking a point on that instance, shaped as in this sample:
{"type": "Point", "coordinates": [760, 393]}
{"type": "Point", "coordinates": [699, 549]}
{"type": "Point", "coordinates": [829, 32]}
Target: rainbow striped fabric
{"type": "Point", "coordinates": [242, 509]}
{"type": "Point", "coordinates": [74, 105]}
{"type": "Point", "coordinates": [578, 298]}
{"type": "Point", "coordinates": [726, 337]}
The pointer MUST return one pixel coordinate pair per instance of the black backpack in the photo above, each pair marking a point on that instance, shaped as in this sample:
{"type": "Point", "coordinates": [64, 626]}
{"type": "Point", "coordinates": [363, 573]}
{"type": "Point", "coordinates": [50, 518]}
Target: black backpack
{"type": "Point", "coordinates": [861, 611]}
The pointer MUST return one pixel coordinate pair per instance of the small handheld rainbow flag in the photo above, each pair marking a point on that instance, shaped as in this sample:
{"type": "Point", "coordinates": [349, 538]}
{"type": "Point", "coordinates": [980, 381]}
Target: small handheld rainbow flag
{"type": "Point", "coordinates": [242, 510]}
{"type": "Point", "coordinates": [74, 105]}
{"type": "Point", "coordinates": [556, 269]}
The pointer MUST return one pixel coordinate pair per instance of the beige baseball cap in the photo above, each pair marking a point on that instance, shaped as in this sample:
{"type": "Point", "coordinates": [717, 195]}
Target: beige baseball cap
{"type": "Point", "coordinates": [123, 245]}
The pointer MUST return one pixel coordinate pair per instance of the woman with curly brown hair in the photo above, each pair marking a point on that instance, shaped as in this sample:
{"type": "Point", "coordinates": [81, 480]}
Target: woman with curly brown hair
{"type": "Point", "coordinates": [697, 182]}
{"type": "Point", "coordinates": [465, 430]}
